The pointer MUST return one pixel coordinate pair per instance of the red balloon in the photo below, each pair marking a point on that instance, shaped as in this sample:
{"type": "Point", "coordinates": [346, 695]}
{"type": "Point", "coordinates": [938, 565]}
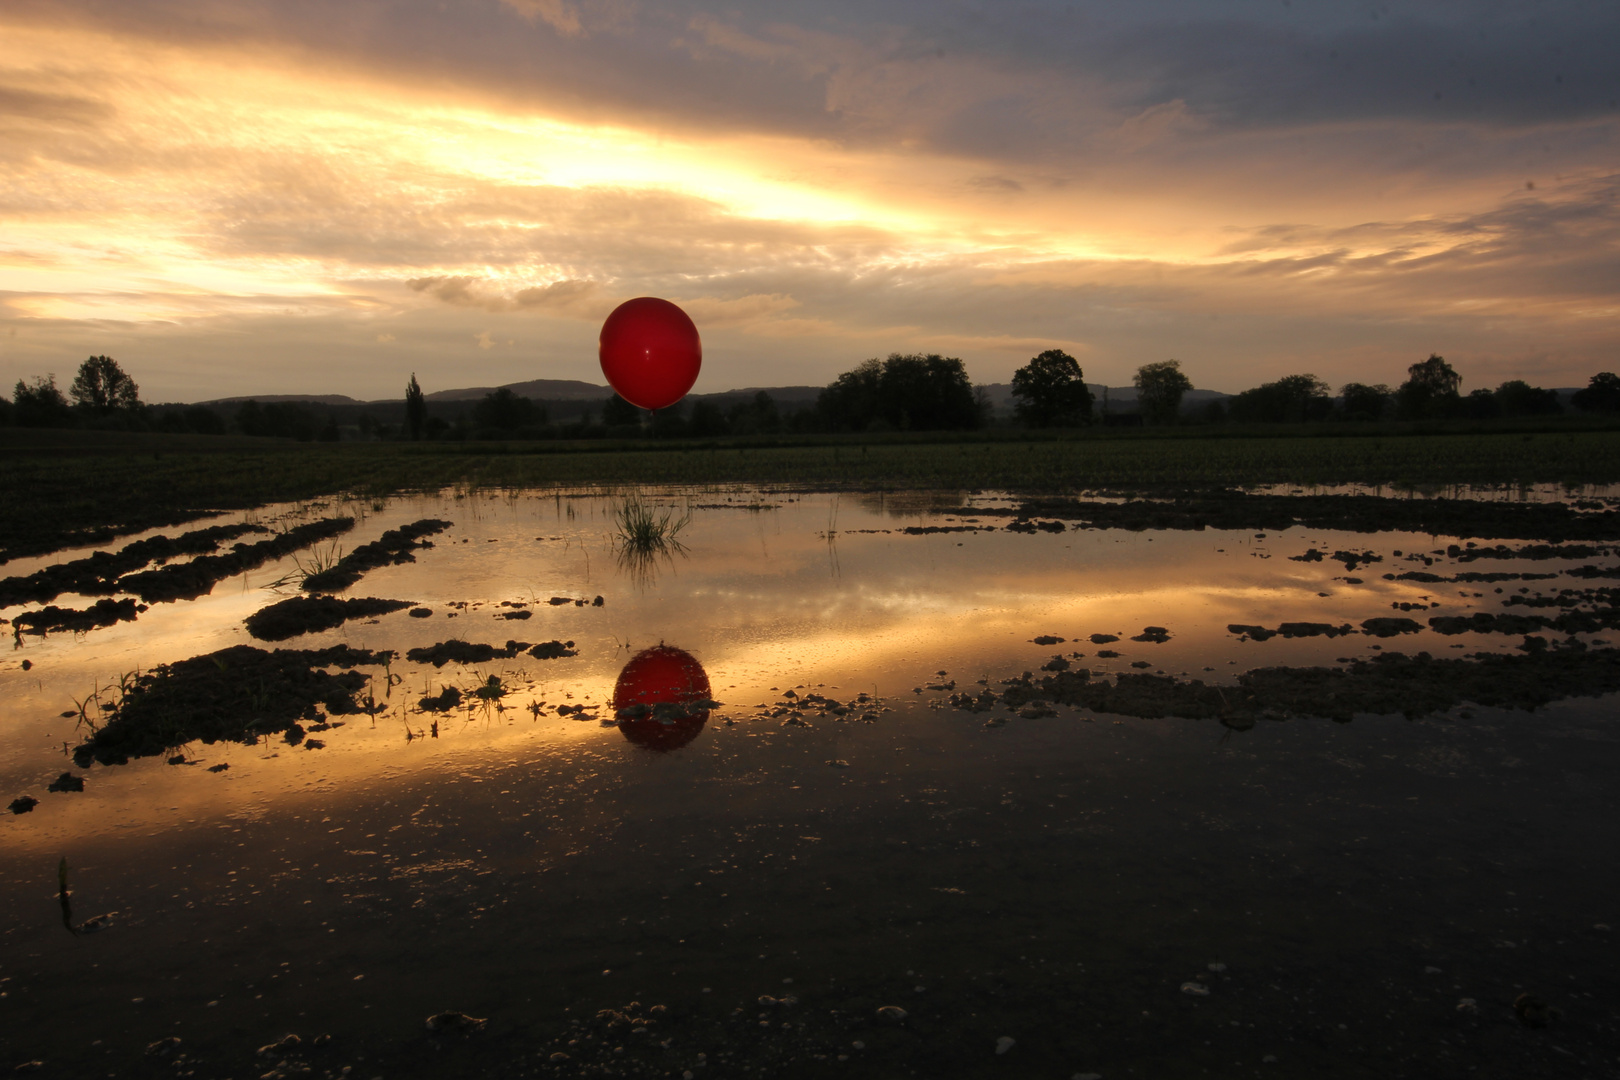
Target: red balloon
{"type": "Point", "coordinates": [650, 352]}
{"type": "Point", "coordinates": [666, 693]}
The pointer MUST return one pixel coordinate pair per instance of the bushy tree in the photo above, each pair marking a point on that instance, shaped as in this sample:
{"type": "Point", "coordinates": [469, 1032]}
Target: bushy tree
{"type": "Point", "coordinates": [1362, 402]}
{"type": "Point", "coordinates": [40, 405]}
{"type": "Point", "coordinates": [1600, 395]}
{"type": "Point", "coordinates": [617, 412]}
{"type": "Point", "coordinates": [1518, 398]}
{"type": "Point", "coordinates": [1051, 391]}
{"type": "Point", "coordinates": [1430, 389]}
{"type": "Point", "coordinates": [707, 420]}
{"type": "Point", "coordinates": [101, 388]}
{"type": "Point", "coordinates": [279, 420]}
{"type": "Point", "coordinates": [1159, 390]}
{"type": "Point", "coordinates": [506, 410]}
{"type": "Point", "coordinates": [902, 393]}
{"type": "Point", "coordinates": [415, 408]}
{"type": "Point", "coordinates": [758, 416]}
{"type": "Point", "coordinates": [1291, 399]}
{"type": "Point", "coordinates": [1480, 404]}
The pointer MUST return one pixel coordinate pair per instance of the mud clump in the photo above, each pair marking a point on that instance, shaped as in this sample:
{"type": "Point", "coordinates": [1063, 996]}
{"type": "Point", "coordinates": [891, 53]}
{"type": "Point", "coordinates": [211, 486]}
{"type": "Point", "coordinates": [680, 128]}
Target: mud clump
{"type": "Point", "coordinates": [1103, 639]}
{"type": "Point", "coordinates": [98, 573]}
{"type": "Point", "coordinates": [187, 581]}
{"type": "Point", "coordinates": [1389, 626]}
{"type": "Point", "coordinates": [1290, 630]}
{"type": "Point", "coordinates": [1392, 683]}
{"type": "Point", "coordinates": [392, 547]}
{"type": "Point", "coordinates": [443, 701]}
{"type": "Point", "coordinates": [553, 650]}
{"type": "Point", "coordinates": [1245, 511]}
{"type": "Point", "coordinates": [67, 782]}
{"type": "Point", "coordinates": [311, 614]}
{"type": "Point", "coordinates": [234, 694]}
{"type": "Point", "coordinates": [78, 620]}
{"type": "Point", "coordinates": [1158, 635]}
{"type": "Point", "coordinates": [463, 652]}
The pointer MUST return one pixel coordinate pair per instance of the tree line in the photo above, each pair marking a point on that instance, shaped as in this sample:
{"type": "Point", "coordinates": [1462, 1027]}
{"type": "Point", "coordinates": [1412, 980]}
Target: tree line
{"type": "Point", "coordinates": [903, 392]}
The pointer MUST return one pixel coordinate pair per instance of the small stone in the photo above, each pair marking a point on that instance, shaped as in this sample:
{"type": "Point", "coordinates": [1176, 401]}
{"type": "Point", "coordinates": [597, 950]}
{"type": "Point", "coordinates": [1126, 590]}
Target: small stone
{"type": "Point", "coordinates": [1432, 970]}
{"type": "Point", "coordinates": [1217, 967]}
{"type": "Point", "coordinates": [858, 1045]}
{"type": "Point", "coordinates": [30, 1066]}
{"type": "Point", "coordinates": [314, 744]}
{"type": "Point", "coordinates": [221, 767]}
{"type": "Point", "coordinates": [454, 1021]}
{"type": "Point", "coordinates": [1533, 1011]}
{"type": "Point", "coordinates": [1196, 989]}
{"type": "Point", "coordinates": [838, 763]}
{"type": "Point", "coordinates": [1005, 1043]}
{"type": "Point", "coordinates": [67, 782]}
{"type": "Point", "coordinates": [164, 1046]}
{"type": "Point", "coordinates": [1467, 1005]}
{"type": "Point", "coordinates": [559, 1057]}
{"type": "Point", "coordinates": [23, 804]}
{"type": "Point", "coordinates": [1269, 1059]}
{"type": "Point", "coordinates": [892, 1012]}
{"type": "Point", "coordinates": [95, 924]}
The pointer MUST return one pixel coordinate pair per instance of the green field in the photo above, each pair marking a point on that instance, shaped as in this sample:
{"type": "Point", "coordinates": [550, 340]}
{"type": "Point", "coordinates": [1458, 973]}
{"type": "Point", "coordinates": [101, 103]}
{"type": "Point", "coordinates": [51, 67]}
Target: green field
{"type": "Point", "coordinates": [63, 487]}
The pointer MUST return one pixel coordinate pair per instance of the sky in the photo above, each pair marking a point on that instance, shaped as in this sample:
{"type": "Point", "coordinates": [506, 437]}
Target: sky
{"type": "Point", "coordinates": [324, 196]}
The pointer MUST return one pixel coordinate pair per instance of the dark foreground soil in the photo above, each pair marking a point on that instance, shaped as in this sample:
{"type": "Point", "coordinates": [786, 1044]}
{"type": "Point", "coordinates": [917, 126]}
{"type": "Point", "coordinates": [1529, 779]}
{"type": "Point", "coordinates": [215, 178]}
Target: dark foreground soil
{"type": "Point", "coordinates": [312, 614]}
{"type": "Point", "coordinates": [235, 694]}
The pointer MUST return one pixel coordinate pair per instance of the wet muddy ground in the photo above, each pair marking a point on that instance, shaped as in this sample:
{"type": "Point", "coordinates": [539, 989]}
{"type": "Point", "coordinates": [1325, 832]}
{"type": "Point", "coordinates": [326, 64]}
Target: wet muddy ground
{"type": "Point", "coordinates": [928, 786]}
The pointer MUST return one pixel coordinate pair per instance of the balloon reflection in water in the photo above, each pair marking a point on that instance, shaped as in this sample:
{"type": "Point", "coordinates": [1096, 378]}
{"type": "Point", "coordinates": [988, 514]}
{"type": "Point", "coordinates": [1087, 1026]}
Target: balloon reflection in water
{"type": "Point", "coordinates": [662, 698]}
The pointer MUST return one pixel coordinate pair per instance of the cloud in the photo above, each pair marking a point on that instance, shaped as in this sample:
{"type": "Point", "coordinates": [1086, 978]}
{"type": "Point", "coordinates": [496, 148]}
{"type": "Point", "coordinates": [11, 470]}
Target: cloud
{"type": "Point", "coordinates": [484, 340]}
{"type": "Point", "coordinates": [561, 16]}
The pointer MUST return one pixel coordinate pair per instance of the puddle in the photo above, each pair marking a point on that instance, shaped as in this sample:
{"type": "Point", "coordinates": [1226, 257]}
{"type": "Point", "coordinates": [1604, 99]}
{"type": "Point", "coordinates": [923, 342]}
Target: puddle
{"type": "Point", "coordinates": [807, 796]}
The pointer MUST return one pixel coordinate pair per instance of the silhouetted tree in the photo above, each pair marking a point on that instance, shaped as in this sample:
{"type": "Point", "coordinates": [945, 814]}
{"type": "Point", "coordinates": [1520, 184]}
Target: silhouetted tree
{"type": "Point", "coordinates": [1051, 391]}
{"type": "Point", "coordinates": [1518, 398]}
{"type": "Point", "coordinates": [506, 410]}
{"type": "Point", "coordinates": [707, 420]}
{"type": "Point", "coordinates": [1291, 399]}
{"type": "Point", "coordinates": [1362, 402]}
{"type": "Point", "coordinates": [915, 393]}
{"type": "Point", "coordinates": [101, 387]}
{"type": "Point", "coordinates": [1481, 404]}
{"type": "Point", "coordinates": [279, 419]}
{"type": "Point", "coordinates": [1159, 389]}
{"type": "Point", "coordinates": [1430, 389]}
{"type": "Point", "coordinates": [756, 417]}
{"type": "Point", "coordinates": [415, 408]}
{"type": "Point", "coordinates": [669, 422]}
{"type": "Point", "coordinates": [5, 412]}
{"type": "Point", "coordinates": [853, 402]}
{"type": "Point", "coordinates": [1601, 395]}
{"type": "Point", "coordinates": [40, 405]}
{"type": "Point", "coordinates": [617, 412]}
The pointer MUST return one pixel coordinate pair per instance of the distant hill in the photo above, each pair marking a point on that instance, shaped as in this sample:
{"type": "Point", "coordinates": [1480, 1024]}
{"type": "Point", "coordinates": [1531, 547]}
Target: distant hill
{"type": "Point", "coordinates": [266, 399]}
{"type": "Point", "coordinates": [535, 389]}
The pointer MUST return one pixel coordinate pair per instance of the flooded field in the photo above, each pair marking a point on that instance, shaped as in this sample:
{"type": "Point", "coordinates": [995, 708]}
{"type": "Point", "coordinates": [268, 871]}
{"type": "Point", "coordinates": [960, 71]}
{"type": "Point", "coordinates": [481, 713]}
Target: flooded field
{"type": "Point", "coordinates": [830, 785]}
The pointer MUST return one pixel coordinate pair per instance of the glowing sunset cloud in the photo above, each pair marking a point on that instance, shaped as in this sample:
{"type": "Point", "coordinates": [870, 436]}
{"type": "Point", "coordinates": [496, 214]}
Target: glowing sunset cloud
{"type": "Point", "coordinates": [334, 195]}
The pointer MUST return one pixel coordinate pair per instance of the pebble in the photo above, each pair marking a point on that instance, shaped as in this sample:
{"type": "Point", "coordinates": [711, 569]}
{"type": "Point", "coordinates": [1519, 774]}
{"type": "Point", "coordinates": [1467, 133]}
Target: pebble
{"type": "Point", "coordinates": [1005, 1043]}
{"type": "Point", "coordinates": [1217, 967]}
{"type": "Point", "coordinates": [892, 1012]}
{"type": "Point", "coordinates": [1196, 989]}
{"type": "Point", "coordinates": [23, 804]}
{"type": "Point", "coordinates": [1467, 1005]}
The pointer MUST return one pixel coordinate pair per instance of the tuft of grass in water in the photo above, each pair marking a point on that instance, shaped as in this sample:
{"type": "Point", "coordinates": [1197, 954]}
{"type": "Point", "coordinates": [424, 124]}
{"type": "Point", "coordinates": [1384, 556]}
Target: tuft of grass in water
{"type": "Point", "coordinates": [318, 562]}
{"type": "Point", "coordinates": [644, 528]}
